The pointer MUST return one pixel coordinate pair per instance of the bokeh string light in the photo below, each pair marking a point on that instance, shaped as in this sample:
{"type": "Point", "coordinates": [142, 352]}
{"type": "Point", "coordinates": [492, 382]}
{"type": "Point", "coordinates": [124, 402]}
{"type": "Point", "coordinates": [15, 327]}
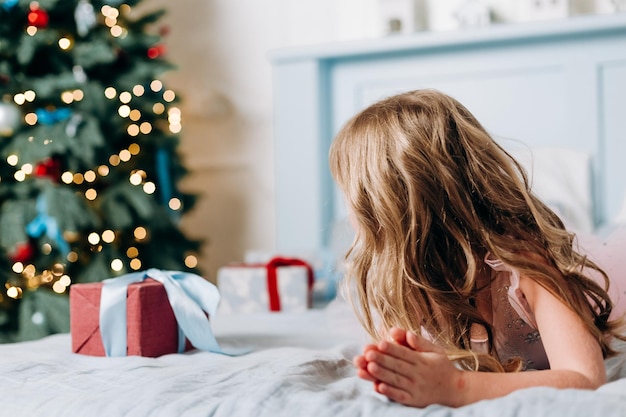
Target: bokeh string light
{"type": "Point", "coordinates": [55, 278]}
{"type": "Point", "coordinates": [111, 15]}
{"type": "Point", "coordinates": [28, 278]}
{"type": "Point", "coordinates": [125, 97]}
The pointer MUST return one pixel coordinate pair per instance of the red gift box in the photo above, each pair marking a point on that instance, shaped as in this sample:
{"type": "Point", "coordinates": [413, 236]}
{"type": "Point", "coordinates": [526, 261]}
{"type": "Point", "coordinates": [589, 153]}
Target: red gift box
{"type": "Point", "coordinates": [152, 329]}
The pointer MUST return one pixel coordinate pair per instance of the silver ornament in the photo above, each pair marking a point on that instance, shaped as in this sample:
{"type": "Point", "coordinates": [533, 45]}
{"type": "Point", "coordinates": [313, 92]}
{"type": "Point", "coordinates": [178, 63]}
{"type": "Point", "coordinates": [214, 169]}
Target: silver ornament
{"type": "Point", "coordinates": [38, 318]}
{"type": "Point", "coordinates": [10, 117]}
{"type": "Point", "coordinates": [72, 125]}
{"type": "Point", "coordinates": [79, 74]}
{"type": "Point", "coordinates": [85, 17]}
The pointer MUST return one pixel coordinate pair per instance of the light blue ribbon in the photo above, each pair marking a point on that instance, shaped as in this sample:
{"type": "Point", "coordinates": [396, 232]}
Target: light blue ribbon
{"type": "Point", "coordinates": [190, 297]}
{"type": "Point", "coordinates": [47, 224]}
{"type": "Point", "coordinates": [163, 172]}
{"type": "Point", "coordinates": [165, 180]}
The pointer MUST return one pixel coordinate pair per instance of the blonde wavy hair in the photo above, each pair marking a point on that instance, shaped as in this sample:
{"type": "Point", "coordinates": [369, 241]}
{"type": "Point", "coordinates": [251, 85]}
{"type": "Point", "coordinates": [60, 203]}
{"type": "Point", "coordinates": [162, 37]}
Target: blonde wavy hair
{"type": "Point", "coordinates": [429, 193]}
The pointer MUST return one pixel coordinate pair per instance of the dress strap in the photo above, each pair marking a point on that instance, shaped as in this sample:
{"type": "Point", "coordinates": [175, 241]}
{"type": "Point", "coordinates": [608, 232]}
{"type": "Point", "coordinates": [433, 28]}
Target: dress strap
{"type": "Point", "coordinates": [516, 296]}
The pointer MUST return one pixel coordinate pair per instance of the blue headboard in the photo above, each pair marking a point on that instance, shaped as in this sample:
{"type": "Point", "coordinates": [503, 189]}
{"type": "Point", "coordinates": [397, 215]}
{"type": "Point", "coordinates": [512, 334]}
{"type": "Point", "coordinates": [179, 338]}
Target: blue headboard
{"type": "Point", "coordinates": [559, 84]}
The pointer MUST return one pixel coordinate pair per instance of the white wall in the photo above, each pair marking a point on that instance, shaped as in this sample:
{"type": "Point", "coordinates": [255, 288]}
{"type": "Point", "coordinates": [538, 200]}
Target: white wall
{"type": "Point", "coordinates": [224, 80]}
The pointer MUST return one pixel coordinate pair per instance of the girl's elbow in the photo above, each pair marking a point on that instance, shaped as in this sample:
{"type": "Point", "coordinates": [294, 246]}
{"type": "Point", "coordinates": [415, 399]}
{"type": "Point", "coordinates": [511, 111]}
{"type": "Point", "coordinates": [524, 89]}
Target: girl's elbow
{"type": "Point", "coordinates": [589, 379]}
{"type": "Point", "coordinates": [593, 380]}
{"type": "Point", "coordinates": [598, 381]}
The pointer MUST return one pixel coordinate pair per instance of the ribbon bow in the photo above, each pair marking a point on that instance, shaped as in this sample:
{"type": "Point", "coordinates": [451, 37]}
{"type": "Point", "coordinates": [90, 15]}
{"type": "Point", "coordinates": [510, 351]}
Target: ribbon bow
{"type": "Point", "coordinates": [189, 295]}
{"type": "Point", "coordinates": [47, 224]}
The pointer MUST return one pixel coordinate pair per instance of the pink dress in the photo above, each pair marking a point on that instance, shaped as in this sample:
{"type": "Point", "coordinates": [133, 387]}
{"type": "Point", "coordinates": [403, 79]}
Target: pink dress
{"type": "Point", "coordinates": [514, 325]}
{"type": "Point", "coordinates": [515, 328]}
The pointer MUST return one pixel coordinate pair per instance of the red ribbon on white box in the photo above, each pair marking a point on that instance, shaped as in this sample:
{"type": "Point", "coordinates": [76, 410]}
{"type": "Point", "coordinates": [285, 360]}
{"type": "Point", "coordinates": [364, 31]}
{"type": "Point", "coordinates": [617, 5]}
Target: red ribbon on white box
{"type": "Point", "coordinates": [272, 280]}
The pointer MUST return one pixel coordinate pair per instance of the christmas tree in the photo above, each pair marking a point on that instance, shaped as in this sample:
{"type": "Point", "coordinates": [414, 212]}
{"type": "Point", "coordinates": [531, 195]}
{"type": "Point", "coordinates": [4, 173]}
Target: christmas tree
{"type": "Point", "coordinates": [88, 147]}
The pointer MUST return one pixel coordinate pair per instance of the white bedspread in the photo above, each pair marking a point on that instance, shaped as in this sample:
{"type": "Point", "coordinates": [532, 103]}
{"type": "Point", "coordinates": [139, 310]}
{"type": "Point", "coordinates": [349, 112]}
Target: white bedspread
{"type": "Point", "coordinates": [301, 366]}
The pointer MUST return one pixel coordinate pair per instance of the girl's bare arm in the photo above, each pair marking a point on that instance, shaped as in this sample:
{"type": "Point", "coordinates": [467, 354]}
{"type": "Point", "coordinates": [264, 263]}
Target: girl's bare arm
{"type": "Point", "coordinates": [416, 372]}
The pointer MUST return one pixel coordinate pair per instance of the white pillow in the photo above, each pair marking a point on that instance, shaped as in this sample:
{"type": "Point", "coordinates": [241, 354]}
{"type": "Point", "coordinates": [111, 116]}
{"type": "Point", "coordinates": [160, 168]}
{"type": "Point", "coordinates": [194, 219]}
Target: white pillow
{"type": "Point", "coordinates": [562, 179]}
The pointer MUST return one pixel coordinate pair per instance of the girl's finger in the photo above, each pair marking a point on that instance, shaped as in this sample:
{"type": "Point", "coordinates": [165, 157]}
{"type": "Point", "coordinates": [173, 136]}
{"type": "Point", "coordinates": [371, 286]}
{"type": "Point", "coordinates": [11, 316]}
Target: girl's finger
{"type": "Point", "coordinates": [395, 394]}
{"type": "Point", "coordinates": [398, 335]}
{"type": "Point", "coordinates": [388, 376]}
{"type": "Point", "coordinates": [392, 363]}
{"type": "Point", "coordinates": [359, 361]}
{"type": "Point", "coordinates": [404, 353]}
{"type": "Point", "coordinates": [421, 344]}
{"type": "Point", "coordinates": [363, 374]}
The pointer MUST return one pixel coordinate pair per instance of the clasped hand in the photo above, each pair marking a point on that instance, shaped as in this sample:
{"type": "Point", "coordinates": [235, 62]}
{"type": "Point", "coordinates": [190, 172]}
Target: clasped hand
{"type": "Point", "coordinates": [411, 370]}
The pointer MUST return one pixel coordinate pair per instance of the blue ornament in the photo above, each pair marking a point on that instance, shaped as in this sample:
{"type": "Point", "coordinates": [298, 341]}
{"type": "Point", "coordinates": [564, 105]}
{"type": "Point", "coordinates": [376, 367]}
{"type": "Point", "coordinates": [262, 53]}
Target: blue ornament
{"type": "Point", "coordinates": [9, 4]}
{"type": "Point", "coordinates": [49, 117]}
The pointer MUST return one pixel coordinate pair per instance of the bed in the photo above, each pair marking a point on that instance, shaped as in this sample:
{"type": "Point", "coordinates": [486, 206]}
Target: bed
{"type": "Point", "coordinates": [300, 366]}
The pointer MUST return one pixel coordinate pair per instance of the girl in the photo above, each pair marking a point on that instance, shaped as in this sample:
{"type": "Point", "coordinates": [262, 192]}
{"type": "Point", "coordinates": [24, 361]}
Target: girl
{"type": "Point", "coordinates": [463, 277]}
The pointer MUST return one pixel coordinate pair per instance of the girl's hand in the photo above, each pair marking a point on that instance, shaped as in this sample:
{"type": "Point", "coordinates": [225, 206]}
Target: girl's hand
{"type": "Point", "coordinates": [411, 371]}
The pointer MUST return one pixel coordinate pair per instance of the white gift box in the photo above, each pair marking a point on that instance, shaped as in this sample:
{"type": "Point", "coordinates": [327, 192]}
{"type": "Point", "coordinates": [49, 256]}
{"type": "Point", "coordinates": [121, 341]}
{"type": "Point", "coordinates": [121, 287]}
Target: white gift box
{"type": "Point", "coordinates": [248, 288]}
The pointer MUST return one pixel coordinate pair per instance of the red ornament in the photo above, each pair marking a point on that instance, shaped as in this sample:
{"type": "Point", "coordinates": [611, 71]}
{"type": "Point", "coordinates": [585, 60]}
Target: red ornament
{"type": "Point", "coordinates": [23, 252]}
{"type": "Point", "coordinates": [49, 168]}
{"type": "Point", "coordinates": [38, 17]}
{"type": "Point", "coordinates": [156, 51]}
